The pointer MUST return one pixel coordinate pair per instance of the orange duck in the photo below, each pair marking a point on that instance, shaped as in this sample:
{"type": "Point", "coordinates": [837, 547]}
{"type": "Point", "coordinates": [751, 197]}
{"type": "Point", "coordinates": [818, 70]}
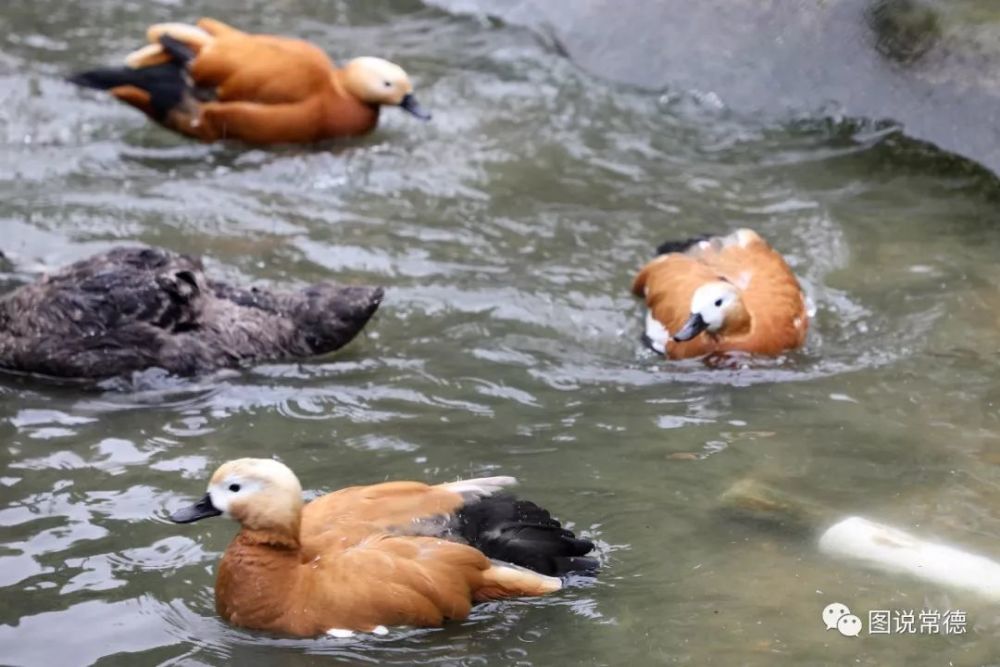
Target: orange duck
{"type": "Point", "coordinates": [212, 81]}
{"type": "Point", "coordinates": [367, 557]}
{"type": "Point", "coordinates": [720, 294]}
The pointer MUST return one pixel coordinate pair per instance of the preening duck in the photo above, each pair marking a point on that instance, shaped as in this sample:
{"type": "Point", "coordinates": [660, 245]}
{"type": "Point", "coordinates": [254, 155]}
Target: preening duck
{"type": "Point", "coordinates": [367, 557]}
{"type": "Point", "coordinates": [211, 81]}
{"type": "Point", "coordinates": [133, 308]}
{"type": "Point", "coordinates": [719, 294]}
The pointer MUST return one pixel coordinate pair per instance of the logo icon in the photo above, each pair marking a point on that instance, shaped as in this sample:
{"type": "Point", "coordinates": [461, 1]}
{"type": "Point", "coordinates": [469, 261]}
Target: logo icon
{"type": "Point", "coordinates": [837, 616]}
{"type": "Point", "coordinates": [849, 625]}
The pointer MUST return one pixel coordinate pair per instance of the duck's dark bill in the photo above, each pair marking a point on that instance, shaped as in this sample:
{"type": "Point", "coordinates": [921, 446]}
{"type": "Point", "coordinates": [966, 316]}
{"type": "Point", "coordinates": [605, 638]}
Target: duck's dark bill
{"type": "Point", "coordinates": [410, 105]}
{"type": "Point", "coordinates": [694, 326]}
{"type": "Point", "coordinates": [203, 509]}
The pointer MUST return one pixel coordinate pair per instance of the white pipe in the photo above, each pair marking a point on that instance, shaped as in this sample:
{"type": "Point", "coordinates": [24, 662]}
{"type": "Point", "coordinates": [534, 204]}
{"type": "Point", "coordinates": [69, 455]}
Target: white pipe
{"type": "Point", "coordinates": [891, 549]}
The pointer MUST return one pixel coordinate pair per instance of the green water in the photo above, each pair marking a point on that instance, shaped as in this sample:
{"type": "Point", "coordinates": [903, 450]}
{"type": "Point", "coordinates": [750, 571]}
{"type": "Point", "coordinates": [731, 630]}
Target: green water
{"type": "Point", "coordinates": [506, 233]}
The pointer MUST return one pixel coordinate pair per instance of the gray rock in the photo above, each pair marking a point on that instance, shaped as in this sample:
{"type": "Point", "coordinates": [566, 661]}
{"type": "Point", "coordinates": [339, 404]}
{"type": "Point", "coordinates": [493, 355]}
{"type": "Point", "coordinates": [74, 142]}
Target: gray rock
{"type": "Point", "coordinates": [933, 66]}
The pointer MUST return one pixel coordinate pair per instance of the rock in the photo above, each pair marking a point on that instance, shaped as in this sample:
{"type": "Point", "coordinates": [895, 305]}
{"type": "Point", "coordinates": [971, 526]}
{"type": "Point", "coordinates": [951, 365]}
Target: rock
{"type": "Point", "coordinates": [933, 66]}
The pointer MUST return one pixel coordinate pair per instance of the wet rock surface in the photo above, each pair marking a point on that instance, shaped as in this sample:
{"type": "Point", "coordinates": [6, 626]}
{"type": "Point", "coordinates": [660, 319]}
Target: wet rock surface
{"type": "Point", "coordinates": [931, 66]}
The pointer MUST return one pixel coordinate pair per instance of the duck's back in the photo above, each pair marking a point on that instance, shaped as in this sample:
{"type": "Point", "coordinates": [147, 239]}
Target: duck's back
{"type": "Point", "coordinates": [102, 315]}
{"type": "Point", "coordinates": [264, 69]}
{"type": "Point", "coordinates": [135, 308]}
{"type": "Point", "coordinates": [769, 289]}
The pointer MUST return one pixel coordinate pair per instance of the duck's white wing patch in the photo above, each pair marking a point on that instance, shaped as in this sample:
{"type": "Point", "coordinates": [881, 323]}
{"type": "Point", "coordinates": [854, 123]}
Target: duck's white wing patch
{"type": "Point", "coordinates": [741, 237]}
{"type": "Point", "coordinates": [340, 633]}
{"type": "Point", "coordinates": [472, 489]}
{"type": "Point", "coordinates": [656, 334]}
{"type": "Point", "coordinates": [551, 583]}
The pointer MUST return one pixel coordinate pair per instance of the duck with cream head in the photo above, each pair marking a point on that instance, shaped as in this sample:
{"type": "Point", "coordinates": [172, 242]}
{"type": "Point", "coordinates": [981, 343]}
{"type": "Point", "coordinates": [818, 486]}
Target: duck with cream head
{"type": "Point", "coordinates": [211, 81]}
{"type": "Point", "coordinates": [368, 557]}
{"type": "Point", "coordinates": [721, 294]}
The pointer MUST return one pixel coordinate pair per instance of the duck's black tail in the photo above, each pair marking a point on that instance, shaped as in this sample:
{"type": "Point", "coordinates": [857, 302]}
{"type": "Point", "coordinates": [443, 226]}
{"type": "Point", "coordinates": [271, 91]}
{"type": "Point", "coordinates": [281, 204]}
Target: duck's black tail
{"type": "Point", "coordinates": [165, 84]}
{"type": "Point", "coordinates": [668, 247]}
{"type": "Point", "coordinates": [522, 533]}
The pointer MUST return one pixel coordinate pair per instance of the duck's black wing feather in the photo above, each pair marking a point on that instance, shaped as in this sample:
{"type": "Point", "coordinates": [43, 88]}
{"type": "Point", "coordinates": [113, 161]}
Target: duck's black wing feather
{"type": "Point", "coordinates": [520, 532]}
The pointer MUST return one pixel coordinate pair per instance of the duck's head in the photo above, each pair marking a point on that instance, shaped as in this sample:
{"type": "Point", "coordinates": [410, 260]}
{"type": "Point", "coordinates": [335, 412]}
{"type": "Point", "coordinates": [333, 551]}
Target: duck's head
{"type": "Point", "coordinates": [262, 494]}
{"type": "Point", "coordinates": [377, 81]}
{"type": "Point", "coordinates": [716, 307]}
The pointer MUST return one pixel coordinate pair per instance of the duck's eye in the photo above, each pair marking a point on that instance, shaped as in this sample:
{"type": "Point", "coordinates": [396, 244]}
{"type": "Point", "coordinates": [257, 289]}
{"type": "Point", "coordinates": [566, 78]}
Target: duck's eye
{"type": "Point", "coordinates": [387, 84]}
{"type": "Point", "coordinates": [235, 488]}
{"type": "Point", "coordinates": [718, 303]}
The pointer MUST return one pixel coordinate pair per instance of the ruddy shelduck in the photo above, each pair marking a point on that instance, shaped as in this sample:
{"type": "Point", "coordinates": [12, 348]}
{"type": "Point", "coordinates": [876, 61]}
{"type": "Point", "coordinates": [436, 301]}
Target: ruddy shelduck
{"type": "Point", "coordinates": [368, 557]}
{"type": "Point", "coordinates": [211, 81]}
{"type": "Point", "coordinates": [720, 294]}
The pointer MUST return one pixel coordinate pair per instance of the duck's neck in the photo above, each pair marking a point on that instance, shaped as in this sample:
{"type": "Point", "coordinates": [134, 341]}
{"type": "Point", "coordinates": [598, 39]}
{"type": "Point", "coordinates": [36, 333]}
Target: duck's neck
{"type": "Point", "coordinates": [345, 114]}
{"type": "Point", "coordinates": [258, 571]}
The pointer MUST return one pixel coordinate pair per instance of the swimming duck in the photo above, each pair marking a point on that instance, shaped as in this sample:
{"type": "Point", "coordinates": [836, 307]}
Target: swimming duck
{"type": "Point", "coordinates": [722, 293]}
{"type": "Point", "coordinates": [368, 557]}
{"type": "Point", "coordinates": [133, 308]}
{"type": "Point", "coordinates": [211, 81]}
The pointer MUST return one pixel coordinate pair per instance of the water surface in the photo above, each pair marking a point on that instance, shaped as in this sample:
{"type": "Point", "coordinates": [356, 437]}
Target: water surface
{"type": "Point", "coordinates": [507, 232]}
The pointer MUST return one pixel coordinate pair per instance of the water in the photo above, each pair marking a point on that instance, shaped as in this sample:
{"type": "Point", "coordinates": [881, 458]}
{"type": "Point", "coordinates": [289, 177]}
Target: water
{"type": "Point", "coordinates": [506, 232]}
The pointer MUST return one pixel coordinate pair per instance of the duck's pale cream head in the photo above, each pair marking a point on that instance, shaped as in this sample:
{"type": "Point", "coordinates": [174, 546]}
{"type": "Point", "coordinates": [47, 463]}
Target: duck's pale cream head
{"type": "Point", "coordinates": [715, 307]}
{"type": "Point", "coordinates": [378, 81]}
{"type": "Point", "coordinates": [262, 494]}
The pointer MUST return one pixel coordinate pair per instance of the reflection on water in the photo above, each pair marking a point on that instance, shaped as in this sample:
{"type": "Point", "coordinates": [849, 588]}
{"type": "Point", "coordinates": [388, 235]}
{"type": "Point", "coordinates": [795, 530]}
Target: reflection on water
{"type": "Point", "coordinates": [507, 232]}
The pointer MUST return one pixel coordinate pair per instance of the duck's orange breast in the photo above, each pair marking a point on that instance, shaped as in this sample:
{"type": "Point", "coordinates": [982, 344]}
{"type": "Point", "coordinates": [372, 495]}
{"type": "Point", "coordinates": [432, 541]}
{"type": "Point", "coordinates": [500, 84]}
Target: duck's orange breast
{"type": "Point", "coordinates": [769, 290]}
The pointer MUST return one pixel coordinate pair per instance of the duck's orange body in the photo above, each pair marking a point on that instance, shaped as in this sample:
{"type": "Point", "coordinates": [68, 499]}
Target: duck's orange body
{"type": "Point", "coordinates": [362, 558]}
{"type": "Point", "coordinates": [271, 89]}
{"type": "Point", "coordinates": [212, 82]}
{"type": "Point", "coordinates": [765, 309]}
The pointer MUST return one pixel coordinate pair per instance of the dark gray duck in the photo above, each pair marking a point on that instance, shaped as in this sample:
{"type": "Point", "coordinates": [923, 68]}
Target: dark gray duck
{"type": "Point", "coordinates": [135, 308]}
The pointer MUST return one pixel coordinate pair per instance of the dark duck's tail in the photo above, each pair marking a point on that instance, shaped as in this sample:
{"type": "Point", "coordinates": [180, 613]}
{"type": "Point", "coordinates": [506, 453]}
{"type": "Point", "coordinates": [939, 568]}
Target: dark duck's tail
{"type": "Point", "coordinates": [522, 533]}
{"type": "Point", "coordinates": [325, 316]}
{"type": "Point", "coordinates": [154, 90]}
{"type": "Point", "coordinates": [334, 314]}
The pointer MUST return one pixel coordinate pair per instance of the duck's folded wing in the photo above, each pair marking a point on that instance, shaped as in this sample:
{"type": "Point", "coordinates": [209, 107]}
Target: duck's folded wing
{"type": "Point", "coordinates": [264, 69]}
{"type": "Point", "coordinates": [474, 512]}
{"type": "Point", "coordinates": [193, 37]}
{"type": "Point", "coordinates": [404, 507]}
{"type": "Point", "coordinates": [196, 37]}
{"type": "Point", "coordinates": [420, 581]}
{"type": "Point", "coordinates": [738, 256]}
